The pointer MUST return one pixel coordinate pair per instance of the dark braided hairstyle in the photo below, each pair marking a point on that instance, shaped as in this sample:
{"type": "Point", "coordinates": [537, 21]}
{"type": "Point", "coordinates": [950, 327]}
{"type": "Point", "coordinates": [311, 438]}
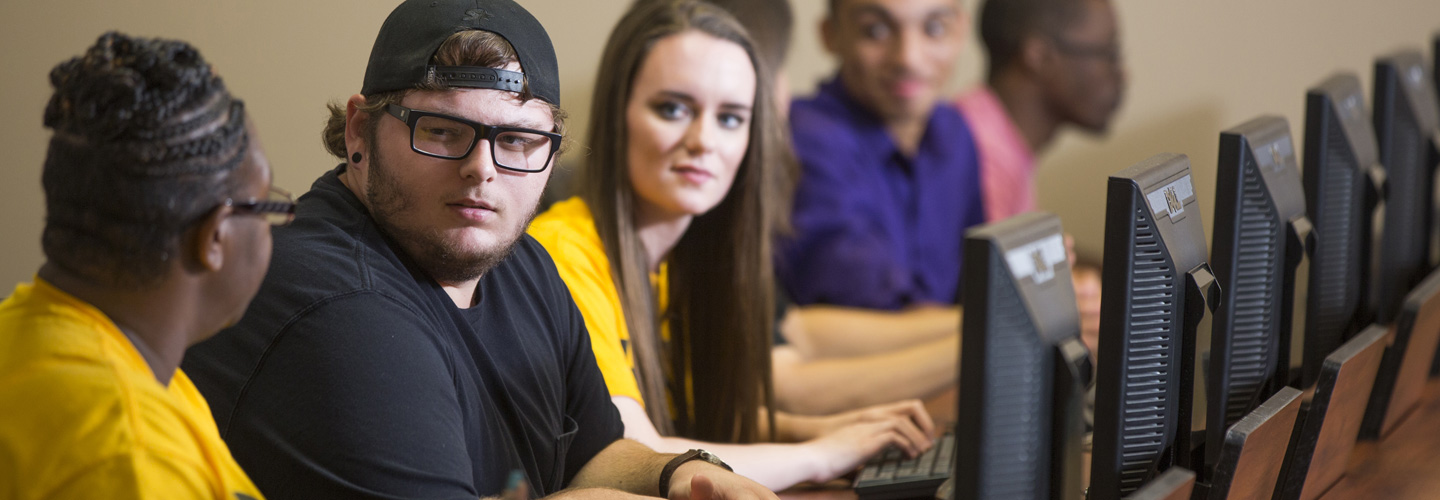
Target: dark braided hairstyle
{"type": "Point", "coordinates": [145, 139]}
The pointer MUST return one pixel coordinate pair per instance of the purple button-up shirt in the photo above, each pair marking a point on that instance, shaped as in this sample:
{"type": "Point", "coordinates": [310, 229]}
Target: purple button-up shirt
{"type": "Point", "coordinates": [873, 227]}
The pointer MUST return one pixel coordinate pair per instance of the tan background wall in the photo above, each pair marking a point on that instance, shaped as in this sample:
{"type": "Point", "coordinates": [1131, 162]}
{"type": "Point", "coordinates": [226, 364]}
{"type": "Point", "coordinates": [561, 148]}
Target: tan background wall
{"type": "Point", "coordinates": [1196, 68]}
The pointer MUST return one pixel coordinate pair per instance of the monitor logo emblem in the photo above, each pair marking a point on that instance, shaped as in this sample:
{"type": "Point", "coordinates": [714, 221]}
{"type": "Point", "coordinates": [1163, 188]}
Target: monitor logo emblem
{"type": "Point", "coordinates": [1352, 106]}
{"type": "Point", "coordinates": [1172, 202]}
{"type": "Point", "coordinates": [1170, 199]}
{"type": "Point", "coordinates": [1037, 260]}
{"type": "Point", "coordinates": [1043, 270]}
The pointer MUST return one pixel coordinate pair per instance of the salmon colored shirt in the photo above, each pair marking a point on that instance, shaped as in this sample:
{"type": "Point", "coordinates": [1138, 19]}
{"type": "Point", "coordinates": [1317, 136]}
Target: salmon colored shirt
{"type": "Point", "coordinates": [1007, 166]}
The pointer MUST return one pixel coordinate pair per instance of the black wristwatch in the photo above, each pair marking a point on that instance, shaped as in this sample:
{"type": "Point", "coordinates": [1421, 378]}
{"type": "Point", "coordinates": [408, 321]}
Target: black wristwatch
{"type": "Point", "coordinates": [675, 463]}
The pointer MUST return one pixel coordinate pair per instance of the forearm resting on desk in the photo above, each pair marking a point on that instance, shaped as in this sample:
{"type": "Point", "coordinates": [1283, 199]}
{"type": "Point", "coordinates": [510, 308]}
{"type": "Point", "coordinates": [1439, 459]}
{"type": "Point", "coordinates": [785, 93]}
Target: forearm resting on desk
{"type": "Point", "coordinates": [627, 468]}
{"type": "Point", "coordinates": [780, 466]}
{"type": "Point", "coordinates": [825, 386]}
{"type": "Point", "coordinates": [820, 331]}
{"type": "Point", "coordinates": [776, 466]}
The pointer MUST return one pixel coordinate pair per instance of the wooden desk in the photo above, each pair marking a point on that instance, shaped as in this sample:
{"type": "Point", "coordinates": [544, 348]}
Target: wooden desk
{"type": "Point", "coordinates": [1405, 465]}
{"type": "Point", "coordinates": [833, 490]}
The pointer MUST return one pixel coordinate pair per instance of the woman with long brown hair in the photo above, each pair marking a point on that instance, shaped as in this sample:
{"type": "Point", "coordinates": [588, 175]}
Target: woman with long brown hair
{"type": "Point", "coordinates": [667, 252]}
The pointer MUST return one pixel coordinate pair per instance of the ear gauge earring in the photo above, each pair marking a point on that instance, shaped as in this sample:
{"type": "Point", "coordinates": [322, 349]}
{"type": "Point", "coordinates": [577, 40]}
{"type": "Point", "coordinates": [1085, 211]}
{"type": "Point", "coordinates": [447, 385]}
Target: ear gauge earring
{"type": "Point", "coordinates": [355, 158]}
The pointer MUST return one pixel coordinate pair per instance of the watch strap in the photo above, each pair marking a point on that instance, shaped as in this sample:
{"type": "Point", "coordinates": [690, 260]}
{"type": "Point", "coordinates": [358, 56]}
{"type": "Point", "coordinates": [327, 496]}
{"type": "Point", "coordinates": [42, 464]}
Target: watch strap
{"type": "Point", "coordinates": [675, 463]}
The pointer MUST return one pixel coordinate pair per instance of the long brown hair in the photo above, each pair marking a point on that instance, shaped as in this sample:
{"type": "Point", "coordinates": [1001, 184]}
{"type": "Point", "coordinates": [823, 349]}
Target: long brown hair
{"type": "Point", "coordinates": [721, 293]}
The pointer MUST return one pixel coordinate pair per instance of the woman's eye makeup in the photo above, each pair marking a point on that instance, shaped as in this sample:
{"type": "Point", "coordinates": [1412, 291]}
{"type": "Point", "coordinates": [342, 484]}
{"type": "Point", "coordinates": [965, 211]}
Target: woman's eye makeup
{"type": "Point", "coordinates": [731, 120]}
{"type": "Point", "coordinates": [671, 110]}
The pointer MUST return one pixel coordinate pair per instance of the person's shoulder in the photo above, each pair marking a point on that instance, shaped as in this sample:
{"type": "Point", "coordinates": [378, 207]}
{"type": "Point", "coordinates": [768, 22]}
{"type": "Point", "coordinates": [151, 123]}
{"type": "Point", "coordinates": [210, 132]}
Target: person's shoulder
{"type": "Point", "coordinates": [86, 426]}
{"type": "Point", "coordinates": [568, 222]}
{"type": "Point", "coordinates": [978, 96]}
{"type": "Point", "coordinates": [73, 412]}
{"type": "Point", "coordinates": [957, 136]}
{"type": "Point", "coordinates": [947, 115]}
{"type": "Point", "coordinates": [333, 248]}
{"type": "Point", "coordinates": [568, 234]}
{"type": "Point", "coordinates": [821, 116]}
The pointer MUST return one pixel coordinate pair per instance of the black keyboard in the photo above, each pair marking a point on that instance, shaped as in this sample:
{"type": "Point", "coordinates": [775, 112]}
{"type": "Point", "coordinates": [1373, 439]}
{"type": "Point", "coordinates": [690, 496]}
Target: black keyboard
{"type": "Point", "coordinates": [891, 476]}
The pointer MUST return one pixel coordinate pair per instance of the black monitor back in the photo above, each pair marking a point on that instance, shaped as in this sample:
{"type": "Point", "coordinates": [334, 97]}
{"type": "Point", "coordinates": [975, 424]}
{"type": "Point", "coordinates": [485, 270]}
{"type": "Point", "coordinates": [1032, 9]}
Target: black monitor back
{"type": "Point", "coordinates": [1259, 239]}
{"type": "Point", "coordinates": [1405, 123]}
{"type": "Point", "coordinates": [1023, 369]}
{"type": "Point", "coordinates": [1343, 182]}
{"type": "Point", "coordinates": [1156, 287]}
{"type": "Point", "coordinates": [1435, 72]}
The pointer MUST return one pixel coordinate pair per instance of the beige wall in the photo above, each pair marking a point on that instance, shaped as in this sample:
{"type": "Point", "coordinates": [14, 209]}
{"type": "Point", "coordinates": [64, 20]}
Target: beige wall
{"type": "Point", "coordinates": [1196, 68]}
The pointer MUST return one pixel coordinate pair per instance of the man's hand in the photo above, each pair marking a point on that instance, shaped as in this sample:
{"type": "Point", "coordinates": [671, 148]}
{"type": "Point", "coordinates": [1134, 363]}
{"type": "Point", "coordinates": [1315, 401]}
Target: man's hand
{"type": "Point", "coordinates": [697, 480]}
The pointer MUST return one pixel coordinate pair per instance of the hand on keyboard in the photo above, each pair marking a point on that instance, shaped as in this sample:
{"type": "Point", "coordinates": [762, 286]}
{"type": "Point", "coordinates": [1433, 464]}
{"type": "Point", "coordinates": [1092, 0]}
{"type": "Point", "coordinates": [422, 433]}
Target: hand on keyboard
{"type": "Point", "coordinates": [895, 476]}
{"type": "Point", "coordinates": [845, 450]}
{"type": "Point", "coordinates": [912, 410]}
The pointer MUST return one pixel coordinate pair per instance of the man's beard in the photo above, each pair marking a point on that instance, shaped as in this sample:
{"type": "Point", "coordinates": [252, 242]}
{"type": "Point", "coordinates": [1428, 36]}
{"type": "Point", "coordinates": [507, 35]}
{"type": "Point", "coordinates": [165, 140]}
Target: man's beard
{"type": "Point", "coordinates": [443, 259]}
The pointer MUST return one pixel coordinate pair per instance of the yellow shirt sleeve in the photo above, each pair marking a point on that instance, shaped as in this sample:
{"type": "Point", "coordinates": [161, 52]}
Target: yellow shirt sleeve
{"type": "Point", "coordinates": [139, 476]}
{"type": "Point", "coordinates": [94, 441]}
{"type": "Point", "coordinates": [567, 231]}
{"type": "Point", "coordinates": [82, 415]}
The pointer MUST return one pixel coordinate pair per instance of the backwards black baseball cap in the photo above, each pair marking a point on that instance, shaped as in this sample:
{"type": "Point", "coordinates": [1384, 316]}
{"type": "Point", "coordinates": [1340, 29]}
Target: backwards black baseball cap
{"type": "Point", "coordinates": [400, 59]}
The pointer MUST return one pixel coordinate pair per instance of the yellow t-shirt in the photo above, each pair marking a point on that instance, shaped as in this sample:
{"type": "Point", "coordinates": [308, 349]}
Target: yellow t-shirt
{"type": "Point", "coordinates": [567, 231]}
{"type": "Point", "coordinates": [82, 415]}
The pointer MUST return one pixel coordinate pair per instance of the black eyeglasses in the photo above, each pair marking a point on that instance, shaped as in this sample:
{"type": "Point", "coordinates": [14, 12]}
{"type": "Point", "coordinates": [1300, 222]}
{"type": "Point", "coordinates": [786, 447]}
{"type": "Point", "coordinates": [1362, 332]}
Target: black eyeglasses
{"type": "Point", "coordinates": [452, 138]}
{"type": "Point", "coordinates": [278, 208]}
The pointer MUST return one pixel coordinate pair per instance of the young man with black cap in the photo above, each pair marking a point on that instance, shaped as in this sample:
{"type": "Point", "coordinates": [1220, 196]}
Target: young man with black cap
{"type": "Point", "coordinates": [410, 340]}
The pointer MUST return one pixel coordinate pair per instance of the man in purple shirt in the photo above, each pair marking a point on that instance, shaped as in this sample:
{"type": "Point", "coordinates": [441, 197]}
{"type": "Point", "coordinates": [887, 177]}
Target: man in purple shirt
{"type": "Point", "coordinates": [890, 180]}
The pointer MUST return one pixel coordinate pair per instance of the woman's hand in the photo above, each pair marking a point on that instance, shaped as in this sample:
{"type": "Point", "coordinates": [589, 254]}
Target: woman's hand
{"type": "Point", "coordinates": [912, 410]}
{"type": "Point", "coordinates": [840, 452]}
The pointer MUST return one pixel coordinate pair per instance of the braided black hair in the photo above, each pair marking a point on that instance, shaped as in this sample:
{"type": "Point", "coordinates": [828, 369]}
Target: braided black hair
{"type": "Point", "coordinates": [145, 139]}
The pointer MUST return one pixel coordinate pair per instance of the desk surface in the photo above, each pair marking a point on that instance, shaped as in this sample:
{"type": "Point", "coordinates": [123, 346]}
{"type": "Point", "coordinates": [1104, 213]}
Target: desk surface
{"type": "Point", "coordinates": [1404, 465]}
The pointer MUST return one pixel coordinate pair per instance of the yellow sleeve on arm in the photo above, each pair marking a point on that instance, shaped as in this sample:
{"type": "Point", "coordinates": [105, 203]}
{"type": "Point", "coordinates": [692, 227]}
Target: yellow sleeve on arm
{"type": "Point", "coordinates": [569, 235]}
{"type": "Point", "coordinates": [136, 477]}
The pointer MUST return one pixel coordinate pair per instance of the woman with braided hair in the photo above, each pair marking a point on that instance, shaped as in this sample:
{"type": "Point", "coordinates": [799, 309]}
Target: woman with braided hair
{"type": "Point", "coordinates": [157, 234]}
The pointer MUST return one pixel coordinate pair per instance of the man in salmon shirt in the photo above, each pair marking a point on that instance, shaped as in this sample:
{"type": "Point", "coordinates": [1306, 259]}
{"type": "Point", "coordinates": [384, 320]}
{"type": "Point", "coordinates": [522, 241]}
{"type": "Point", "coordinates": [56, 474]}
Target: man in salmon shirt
{"type": "Point", "coordinates": [1052, 64]}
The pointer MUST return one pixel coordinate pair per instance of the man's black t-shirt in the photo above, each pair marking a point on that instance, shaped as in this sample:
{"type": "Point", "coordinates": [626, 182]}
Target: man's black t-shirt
{"type": "Point", "coordinates": [353, 374]}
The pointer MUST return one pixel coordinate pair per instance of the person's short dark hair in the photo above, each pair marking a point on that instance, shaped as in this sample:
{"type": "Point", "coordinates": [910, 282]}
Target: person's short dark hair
{"type": "Point", "coordinates": [769, 23]}
{"type": "Point", "coordinates": [1005, 24]}
{"type": "Point", "coordinates": [145, 138]}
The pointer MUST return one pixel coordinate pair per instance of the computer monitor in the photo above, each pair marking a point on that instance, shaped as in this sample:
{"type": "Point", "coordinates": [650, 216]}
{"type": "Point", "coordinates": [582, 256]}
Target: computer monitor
{"type": "Point", "coordinates": [1343, 191]}
{"type": "Point", "coordinates": [1435, 63]}
{"type": "Point", "coordinates": [1435, 72]}
{"type": "Point", "coordinates": [1156, 288]}
{"type": "Point", "coordinates": [1405, 122]}
{"type": "Point", "coordinates": [1023, 369]}
{"type": "Point", "coordinates": [1260, 236]}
